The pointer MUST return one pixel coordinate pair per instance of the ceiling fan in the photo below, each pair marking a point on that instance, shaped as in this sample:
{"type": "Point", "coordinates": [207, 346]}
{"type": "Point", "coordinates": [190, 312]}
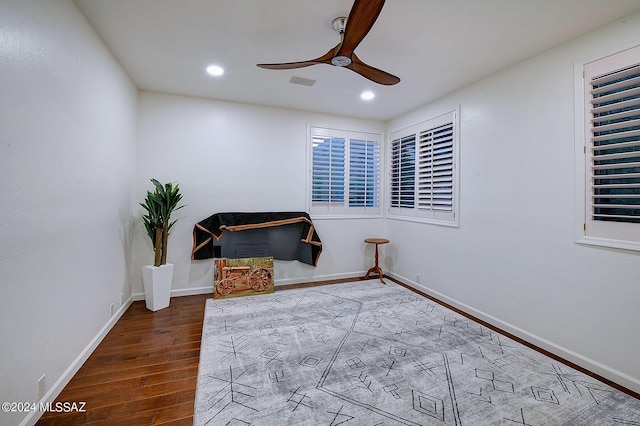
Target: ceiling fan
{"type": "Point", "coordinates": [352, 30]}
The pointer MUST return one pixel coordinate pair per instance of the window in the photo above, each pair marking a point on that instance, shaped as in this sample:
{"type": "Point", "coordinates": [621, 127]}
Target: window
{"type": "Point", "coordinates": [403, 171]}
{"type": "Point", "coordinates": [345, 173]}
{"type": "Point", "coordinates": [423, 176]}
{"type": "Point", "coordinates": [611, 150]}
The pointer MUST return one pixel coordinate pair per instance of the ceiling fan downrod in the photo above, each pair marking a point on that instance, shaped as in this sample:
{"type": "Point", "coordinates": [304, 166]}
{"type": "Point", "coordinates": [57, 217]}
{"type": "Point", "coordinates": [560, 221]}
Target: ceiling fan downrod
{"type": "Point", "coordinates": [339, 24]}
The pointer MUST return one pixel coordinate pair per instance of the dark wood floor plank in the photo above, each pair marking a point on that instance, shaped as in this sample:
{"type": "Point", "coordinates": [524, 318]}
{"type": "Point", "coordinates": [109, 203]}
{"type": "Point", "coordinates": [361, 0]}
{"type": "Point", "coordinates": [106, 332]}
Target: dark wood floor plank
{"type": "Point", "coordinates": [141, 351]}
{"type": "Point", "coordinates": [170, 376]}
{"type": "Point", "coordinates": [188, 421]}
{"type": "Point", "coordinates": [141, 418]}
{"type": "Point", "coordinates": [177, 412]}
{"type": "Point", "coordinates": [124, 364]}
{"type": "Point", "coordinates": [88, 379]}
{"type": "Point", "coordinates": [126, 409]}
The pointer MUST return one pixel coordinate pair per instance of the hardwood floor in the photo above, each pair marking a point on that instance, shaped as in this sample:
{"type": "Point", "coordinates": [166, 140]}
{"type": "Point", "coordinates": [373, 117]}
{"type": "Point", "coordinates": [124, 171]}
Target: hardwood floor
{"type": "Point", "coordinates": [143, 372]}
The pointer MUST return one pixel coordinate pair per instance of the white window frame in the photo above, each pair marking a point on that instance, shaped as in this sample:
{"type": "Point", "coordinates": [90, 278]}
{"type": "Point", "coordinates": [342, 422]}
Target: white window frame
{"type": "Point", "coordinates": [421, 210]}
{"type": "Point", "coordinates": [612, 234]}
{"type": "Point", "coordinates": [344, 210]}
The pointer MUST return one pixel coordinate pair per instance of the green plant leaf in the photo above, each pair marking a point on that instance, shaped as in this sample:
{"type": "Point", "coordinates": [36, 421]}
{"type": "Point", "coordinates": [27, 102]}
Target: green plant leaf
{"type": "Point", "coordinates": [159, 206]}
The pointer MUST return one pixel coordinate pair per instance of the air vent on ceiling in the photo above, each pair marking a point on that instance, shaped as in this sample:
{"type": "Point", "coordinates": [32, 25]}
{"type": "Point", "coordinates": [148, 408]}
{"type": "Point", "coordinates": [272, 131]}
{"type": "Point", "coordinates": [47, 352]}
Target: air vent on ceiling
{"type": "Point", "coordinates": [302, 81]}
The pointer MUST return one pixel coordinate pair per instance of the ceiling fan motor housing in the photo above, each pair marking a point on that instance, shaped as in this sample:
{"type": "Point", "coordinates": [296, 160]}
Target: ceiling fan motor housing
{"type": "Point", "coordinates": [340, 61]}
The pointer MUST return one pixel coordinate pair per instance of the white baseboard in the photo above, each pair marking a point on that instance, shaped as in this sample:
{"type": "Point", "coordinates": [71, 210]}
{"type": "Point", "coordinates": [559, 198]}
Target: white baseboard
{"type": "Point", "coordinates": [607, 372]}
{"type": "Point", "coordinates": [278, 282]}
{"type": "Point", "coordinates": [191, 291]}
{"type": "Point", "coordinates": [328, 277]}
{"type": "Point", "coordinates": [179, 292]}
{"type": "Point", "coordinates": [66, 377]}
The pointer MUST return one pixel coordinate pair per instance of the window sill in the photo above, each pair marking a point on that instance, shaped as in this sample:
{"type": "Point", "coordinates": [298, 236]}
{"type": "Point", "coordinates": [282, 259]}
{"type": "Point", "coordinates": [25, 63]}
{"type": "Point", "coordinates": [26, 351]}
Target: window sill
{"type": "Point", "coordinates": [604, 242]}
{"type": "Point", "coordinates": [425, 220]}
{"type": "Point", "coordinates": [353, 216]}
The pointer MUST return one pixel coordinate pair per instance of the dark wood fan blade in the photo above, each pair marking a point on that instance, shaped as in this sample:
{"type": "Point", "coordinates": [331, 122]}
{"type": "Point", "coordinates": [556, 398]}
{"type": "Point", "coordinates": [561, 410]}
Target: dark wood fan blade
{"type": "Point", "coordinates": [361, 18]}
{"type": "Point", "coordinates": [372, 73]}
{"type": "Point", "coordinates": [324, 59]}
{"type": "Point", "coordinates": [288, 65]}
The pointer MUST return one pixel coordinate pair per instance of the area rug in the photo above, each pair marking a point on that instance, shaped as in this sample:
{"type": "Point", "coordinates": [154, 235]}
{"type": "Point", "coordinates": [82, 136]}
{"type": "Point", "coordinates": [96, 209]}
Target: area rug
{"type": "Point", "coordinates": [363, 353]}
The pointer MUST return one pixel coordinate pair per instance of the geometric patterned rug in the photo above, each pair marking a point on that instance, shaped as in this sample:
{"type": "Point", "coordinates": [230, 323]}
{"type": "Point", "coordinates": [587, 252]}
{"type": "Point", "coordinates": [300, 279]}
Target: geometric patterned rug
{"type": "Point", "coordinates": [363, 353]}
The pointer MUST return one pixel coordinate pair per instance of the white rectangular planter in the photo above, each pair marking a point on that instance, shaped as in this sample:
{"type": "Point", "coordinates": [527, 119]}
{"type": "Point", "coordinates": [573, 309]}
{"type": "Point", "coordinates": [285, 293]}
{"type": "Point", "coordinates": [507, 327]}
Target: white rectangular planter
{"type": "Point", "coordinates": [157, 285]}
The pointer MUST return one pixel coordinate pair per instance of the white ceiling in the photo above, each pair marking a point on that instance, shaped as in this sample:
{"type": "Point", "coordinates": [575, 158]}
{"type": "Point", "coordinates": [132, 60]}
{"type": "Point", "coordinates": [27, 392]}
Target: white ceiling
{"type": "Point", "coordinates": [434, 46]}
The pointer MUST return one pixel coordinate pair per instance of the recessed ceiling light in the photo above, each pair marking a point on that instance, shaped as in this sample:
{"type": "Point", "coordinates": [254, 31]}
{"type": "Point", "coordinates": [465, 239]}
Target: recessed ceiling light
{"type": "Point", "coordinates": [215, 70]}
{"type": "Point", "coordinates": [367, 95]}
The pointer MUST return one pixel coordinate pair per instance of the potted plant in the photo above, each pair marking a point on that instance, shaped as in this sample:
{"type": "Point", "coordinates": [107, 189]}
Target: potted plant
{"type": "Point", "coordinates": [159, 206]}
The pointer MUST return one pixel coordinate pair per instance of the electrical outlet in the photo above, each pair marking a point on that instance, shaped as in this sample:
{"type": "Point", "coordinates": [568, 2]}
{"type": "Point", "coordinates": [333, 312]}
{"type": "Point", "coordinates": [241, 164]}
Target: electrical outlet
{"type": "Point", "coordinates": [111, 309]}
{"type": "Point", "coordinates": [42, 386]}
{"type": "Point", "coordinates": [121, 298]}
{"type": "Point", "coordinates": [418, 278]}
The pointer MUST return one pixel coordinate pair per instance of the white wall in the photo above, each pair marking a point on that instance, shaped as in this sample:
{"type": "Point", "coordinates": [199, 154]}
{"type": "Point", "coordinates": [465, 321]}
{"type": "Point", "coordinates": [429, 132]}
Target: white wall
{"type": "Point", "coordinates": [237, 157]}
{"type": "Point", "coordinates": [67, 160]}
{"type": "Point", "coordinates": [513, 260]}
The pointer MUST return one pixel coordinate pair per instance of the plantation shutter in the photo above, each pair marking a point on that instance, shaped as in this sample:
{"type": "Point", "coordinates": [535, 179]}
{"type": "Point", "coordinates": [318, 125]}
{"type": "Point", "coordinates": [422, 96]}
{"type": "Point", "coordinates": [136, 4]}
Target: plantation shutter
{"type": "Point", "coordinates": [613, 147]}
{"type": "Point", "coordinates": [403, 167]}
{"type": "Point", "coordinates": [328, 171]}
{"type": "Point", "coordinates": [345, 173]}
{"type": "Point", "coordinates": [423, 171]}
{"type": "Point", "coordinates": [435, 168]}
{"type": "Point", "coordinates": [364, 173]}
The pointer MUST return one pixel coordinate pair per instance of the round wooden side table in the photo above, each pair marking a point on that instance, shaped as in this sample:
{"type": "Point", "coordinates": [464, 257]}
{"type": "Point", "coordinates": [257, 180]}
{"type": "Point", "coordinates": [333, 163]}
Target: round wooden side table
{"type": "Point", "coordinates": [375, 268]}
